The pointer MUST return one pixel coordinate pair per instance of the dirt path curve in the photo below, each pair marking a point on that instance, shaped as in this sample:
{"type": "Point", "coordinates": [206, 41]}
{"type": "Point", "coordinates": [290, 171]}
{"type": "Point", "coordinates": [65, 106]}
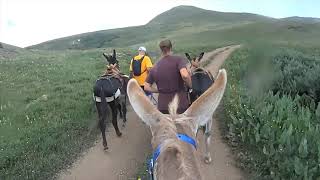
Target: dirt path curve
{"type": "Point", "coordinates": [129, 152]}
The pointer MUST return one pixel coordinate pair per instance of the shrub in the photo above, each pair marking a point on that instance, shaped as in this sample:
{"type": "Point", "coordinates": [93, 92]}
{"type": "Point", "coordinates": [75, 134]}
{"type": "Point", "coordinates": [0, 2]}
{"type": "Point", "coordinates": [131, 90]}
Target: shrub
{"type": "Point", "coordinates": [278, 130]}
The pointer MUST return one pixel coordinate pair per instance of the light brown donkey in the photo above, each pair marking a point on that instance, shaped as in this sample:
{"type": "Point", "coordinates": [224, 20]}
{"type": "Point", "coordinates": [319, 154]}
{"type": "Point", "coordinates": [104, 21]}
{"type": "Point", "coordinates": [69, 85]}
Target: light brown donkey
{"type": "Point", "coordinates": [177, 159]}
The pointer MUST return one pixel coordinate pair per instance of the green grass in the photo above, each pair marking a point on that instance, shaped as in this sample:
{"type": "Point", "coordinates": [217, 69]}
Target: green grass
{"type": "Point", "coordinates": [47, 111]}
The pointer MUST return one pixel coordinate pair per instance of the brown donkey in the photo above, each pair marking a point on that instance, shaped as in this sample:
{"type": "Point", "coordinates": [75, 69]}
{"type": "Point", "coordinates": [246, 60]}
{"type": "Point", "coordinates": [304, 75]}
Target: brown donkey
{"type": "Point", "coordinates": [110, 90]}
{"type": "Point", "coordinates": [176, 158]}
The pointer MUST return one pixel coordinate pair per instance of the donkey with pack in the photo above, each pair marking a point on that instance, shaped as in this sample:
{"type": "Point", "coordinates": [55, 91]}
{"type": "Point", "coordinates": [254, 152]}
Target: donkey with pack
{"type": "Point", "coordinates": [110, 90]}
{"type": "Point", "coordinates": [201, 81]}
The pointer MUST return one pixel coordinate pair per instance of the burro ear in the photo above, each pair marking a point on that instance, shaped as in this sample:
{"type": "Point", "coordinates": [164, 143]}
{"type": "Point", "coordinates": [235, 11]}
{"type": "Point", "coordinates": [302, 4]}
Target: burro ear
{"type": "Point", "coordinates": [114, 54]}
{"type": "Point", "coordinates": [188, 56]}
{"type": "Point", "coordinates": [203, 108]}
{"type": "Point", "coordinates": [141, 104]}
{"type": "Point", "coordinates": [200, 56]}
{"type": "Point", "coordinates": [105, 55]}
{"type": "Point", "coordinates": [107, 58]}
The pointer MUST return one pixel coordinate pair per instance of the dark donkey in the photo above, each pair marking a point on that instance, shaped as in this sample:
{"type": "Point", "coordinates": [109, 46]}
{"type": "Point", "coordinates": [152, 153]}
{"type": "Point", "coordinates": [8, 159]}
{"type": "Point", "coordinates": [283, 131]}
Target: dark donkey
{"type": "Point", "coordinates": [201, 81]}
{"type": "Point", "coordinates": [110, 89]}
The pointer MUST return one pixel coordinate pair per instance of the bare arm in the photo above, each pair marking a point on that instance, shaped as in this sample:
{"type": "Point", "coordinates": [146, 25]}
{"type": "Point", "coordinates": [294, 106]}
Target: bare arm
{"type": "Point", "coordinates": [148, 63]}
{"type": "Point", "coordinates": [186, 77]}
{"type": "Point", "coordinates": [148, 87]}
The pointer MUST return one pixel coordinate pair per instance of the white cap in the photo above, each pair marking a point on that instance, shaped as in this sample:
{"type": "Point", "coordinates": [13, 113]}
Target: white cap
{"type": "Point", "coordinates": [142, 49]}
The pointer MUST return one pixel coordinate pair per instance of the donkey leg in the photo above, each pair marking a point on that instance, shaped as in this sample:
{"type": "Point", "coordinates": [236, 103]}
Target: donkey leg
{"type": "Point", "coordinates": [124, 111]}
{"type": "Point", "coordinates": [114, 109]}
{"type": "Point", "coordinates": [207, 136]}
{"type": "Point", "coordinates": [120, 110]}
{"type": "Point", "coordinates": [102, 125]}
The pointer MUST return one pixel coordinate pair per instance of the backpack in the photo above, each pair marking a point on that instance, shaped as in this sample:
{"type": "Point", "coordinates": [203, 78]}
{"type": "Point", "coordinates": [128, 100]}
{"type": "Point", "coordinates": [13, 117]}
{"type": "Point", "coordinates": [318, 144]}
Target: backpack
{"type": "Point", "coordinates": [136, 66]}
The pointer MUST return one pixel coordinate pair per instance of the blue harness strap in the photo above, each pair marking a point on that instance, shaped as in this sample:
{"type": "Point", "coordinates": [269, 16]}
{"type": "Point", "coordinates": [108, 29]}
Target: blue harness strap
{"type": "Point", "coordinates": [187, 139]}
{"type": "Point", "coordinates": [156, 153]}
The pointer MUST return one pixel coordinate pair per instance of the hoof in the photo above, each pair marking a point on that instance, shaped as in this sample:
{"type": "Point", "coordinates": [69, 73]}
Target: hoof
{"type": "Point", "coordinates": [207, 160]}
{"type": "Point", "coordinates": [119, 134]}
{"type": "Point", "coordinates": [105, 146]}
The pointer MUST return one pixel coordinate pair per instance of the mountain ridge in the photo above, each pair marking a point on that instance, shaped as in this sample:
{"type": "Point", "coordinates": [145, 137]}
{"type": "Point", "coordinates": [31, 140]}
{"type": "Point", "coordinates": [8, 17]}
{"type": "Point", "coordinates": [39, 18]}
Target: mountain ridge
{"type": "Point", "coordinates": [180, 20]}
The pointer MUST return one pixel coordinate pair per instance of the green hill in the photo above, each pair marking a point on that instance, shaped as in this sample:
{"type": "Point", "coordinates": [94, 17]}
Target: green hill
{"type": "Point", "coordinates": [179, 20]}
{"type": "Point", "coordinates": [198, 16]}
{"type": "Point", "coordinates": [280, 32]}
{"type": "Point", "coordinates": [303, 19]}
{"type": "Point", "coordinates": [184, 24]}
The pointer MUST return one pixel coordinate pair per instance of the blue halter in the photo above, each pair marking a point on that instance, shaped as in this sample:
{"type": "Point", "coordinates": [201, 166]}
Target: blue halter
{"type": "Point", "coordinates": [156, 153]}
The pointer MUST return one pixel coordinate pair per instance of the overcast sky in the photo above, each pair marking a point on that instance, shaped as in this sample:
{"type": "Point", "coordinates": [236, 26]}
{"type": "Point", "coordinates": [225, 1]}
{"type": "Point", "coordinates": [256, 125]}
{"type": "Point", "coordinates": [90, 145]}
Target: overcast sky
{"type": "Point", "coordinates": [28, 22]}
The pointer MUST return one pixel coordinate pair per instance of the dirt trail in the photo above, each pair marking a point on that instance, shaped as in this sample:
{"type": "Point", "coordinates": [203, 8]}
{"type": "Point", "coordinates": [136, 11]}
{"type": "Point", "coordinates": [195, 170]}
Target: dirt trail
{"type": "Point", "coordinates": [120, 162]}
{"type": "Point", "coordinates": [129, 152]}
{"type": "Point", "coordinates": [222, 166]}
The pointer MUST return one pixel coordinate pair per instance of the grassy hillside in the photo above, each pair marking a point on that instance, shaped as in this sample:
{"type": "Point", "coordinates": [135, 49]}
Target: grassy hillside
{"type": "Point", "coordinates": [280, 32]}
{"type": "Point", "coordinates": [180, 20]}
{"type": "Point", "coordinates": [198, 16]}
{"type": "Point", "coordinates": [194, 26]}
{"type": "Point", "coordinates": [9, 51]}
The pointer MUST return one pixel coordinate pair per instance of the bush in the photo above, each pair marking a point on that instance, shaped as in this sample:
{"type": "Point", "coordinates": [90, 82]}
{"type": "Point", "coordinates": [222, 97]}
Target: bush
{"type": "Point", "coordinates": [298, 74]}
{"type": "Point", "coordinates": [268, 118]}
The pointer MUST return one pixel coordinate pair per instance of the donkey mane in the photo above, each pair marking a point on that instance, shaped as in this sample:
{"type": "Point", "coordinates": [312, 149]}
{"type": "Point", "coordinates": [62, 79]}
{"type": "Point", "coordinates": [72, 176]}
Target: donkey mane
{"type": "Point", "coordinates": [173, 106]}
